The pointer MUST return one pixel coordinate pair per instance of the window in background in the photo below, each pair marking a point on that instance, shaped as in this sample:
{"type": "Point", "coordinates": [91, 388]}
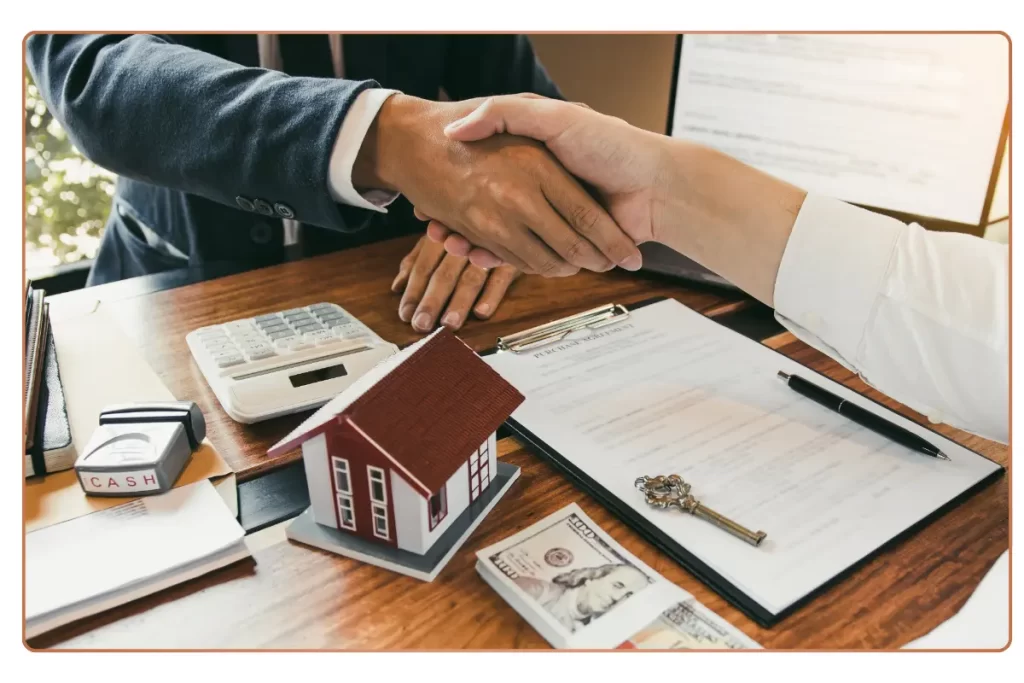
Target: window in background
{"type": "Point", "coordinates": [67, 197]}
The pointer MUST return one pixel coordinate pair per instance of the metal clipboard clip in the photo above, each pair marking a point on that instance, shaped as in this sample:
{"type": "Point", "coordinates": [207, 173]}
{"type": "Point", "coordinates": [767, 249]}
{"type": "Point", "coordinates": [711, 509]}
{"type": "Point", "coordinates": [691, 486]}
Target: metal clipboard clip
{"type": "Point", "coordinates": [557, 330]}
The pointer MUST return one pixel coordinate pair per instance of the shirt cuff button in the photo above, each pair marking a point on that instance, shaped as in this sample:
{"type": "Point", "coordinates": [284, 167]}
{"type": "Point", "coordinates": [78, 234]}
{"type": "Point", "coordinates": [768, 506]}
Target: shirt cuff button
{"type": "Point", "coordinates": [244, 203]}
{"type": "Point", "coordinates": [263, 207]}
{"type": "Point", "coordinates": [283, 210]}
{"type": "Point", "coordinates": [935, 418]}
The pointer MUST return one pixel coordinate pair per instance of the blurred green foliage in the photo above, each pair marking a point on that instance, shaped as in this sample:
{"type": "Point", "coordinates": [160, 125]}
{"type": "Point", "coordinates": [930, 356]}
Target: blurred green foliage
{"type": "Point", "coordinates": [67, 197]}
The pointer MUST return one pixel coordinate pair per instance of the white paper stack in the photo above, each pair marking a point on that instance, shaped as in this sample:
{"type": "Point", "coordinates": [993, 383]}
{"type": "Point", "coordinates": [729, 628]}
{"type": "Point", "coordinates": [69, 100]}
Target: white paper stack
{"type": "Point", "coordinates": [98, 561]}
{"type": "Point", "coordinates": [581, 590]}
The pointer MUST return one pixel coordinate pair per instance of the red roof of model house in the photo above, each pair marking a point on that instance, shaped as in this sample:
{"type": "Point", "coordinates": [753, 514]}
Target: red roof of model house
{"type": "Point", "coordinates": [427, 414]}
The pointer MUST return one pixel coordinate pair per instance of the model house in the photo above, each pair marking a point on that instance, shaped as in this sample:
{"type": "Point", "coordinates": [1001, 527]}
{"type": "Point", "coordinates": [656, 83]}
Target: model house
{"type": "Point", "coordinates": [408, 448]}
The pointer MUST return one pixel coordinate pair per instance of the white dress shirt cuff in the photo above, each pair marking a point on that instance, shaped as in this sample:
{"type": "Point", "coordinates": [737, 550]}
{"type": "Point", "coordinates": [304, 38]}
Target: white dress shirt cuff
{"type": "Point", "coordinates": [350, 138]}
{"type": "Point", "coordinates": [832, 273]}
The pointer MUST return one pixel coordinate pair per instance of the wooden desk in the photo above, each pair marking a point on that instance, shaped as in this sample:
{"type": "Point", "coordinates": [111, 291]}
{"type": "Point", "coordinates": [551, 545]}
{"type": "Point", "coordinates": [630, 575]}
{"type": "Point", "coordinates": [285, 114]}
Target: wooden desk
{"type": "Point", "coordinates": [290, 596]}
{"type": "Point", "coordinates": [359, 280]}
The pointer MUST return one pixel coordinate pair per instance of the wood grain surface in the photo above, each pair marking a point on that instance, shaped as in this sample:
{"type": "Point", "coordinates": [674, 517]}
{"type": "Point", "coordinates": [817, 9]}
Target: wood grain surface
{"type": "Point", "coordinates": [359, 280]}
{"type": "Point", "coordinates": [293, 597]}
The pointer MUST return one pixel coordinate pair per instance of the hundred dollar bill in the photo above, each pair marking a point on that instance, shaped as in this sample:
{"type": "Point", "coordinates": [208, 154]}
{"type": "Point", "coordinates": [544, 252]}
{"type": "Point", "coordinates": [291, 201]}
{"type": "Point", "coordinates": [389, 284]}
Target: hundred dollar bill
{"type": "Point", "coordinates": [689, 625]}
{"type": "Point", "coordinates": [573, 583]}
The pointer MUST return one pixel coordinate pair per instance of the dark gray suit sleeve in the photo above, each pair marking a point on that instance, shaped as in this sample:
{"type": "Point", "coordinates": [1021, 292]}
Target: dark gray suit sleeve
{"type": "Point", "coordinates": [484, 65]}
{"type": "Point", "coordinates": [151, 109]}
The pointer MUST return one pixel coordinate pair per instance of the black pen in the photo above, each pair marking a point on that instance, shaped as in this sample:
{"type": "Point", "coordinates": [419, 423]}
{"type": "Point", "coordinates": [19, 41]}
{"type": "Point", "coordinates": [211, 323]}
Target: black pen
{"type": "Point", "coordinates": [864, 418]}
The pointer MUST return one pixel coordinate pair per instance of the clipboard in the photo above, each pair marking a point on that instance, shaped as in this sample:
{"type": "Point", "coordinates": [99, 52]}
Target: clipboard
{"type": "Point", "coordinates": [556, 330]}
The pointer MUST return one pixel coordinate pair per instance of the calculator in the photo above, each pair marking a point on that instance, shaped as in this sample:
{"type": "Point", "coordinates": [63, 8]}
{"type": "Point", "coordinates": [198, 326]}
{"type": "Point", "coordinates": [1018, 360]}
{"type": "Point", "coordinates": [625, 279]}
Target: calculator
{"type": "Point", "coordinates": [285, 362]}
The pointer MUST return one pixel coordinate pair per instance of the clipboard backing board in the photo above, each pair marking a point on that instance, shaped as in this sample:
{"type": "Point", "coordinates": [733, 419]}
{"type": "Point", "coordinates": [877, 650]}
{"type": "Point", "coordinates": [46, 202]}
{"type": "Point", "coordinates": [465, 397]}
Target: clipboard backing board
{"type": "Point", "coordinates": [701, 571]}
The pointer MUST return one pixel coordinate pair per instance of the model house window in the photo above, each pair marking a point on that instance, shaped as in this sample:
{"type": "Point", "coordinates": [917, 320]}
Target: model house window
{"type": "Point", "coordinates": [438, 506]}
{"type": "Point", "coordinates": [378, 492]}
{"type": "Point", "coordinates": [479, 470]}
{"type": "Point", "coordinates": [342, 483]}
{"type": "Point", "coordinates": [346, 517]}
{"type": "Point", "coordinates": [380, 521]}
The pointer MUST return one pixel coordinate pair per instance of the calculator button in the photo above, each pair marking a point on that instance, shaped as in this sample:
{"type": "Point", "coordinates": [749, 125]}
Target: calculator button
{"type": "Point", "coordinates": [275, 322]}
{"type": "Point", "coordinates": [327, 340]}
{"type": "Point", "coordinates": [339, 322]}
{"type": "Point", "coordinates": [293, 311]}
{"type": "Point", "coordinates": [299, 344]}
{"type": "Point", "coordinates": [275, 329]}
{"type": "Point", "coordinates": [216, 341]}
{"type": "Point", "coordinates": [238, 325]}
{"type": "Point", "coordinates": [257, 354]}
{"type": "Point", "coordinates": [324, 307]}
{"type": "Point", "coordinates": [327, 317]}
{"type": "Point", "coordinates": [221, 349]}
{"type": "Point", "coordinates": [283, 333]}
{"type": "Point", "coordinates": [263, 318]}
{"type": "Point", "coordinates": [308, 325]}
{"type": "Point", "coordinates": [209, 332]}
{"type": "Point", "coordinates": [348, 330]}
{"type": "Point", "coordinates": [286, 343]}
{"type": "Point", "coordinates": [314, 337]}
{"type": "Point", "coordinates": [228, 361]}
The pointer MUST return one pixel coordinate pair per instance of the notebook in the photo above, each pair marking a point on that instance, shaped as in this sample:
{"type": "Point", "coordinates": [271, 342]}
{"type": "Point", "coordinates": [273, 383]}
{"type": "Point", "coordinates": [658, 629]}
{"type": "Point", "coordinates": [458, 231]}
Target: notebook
{"type": "Point", "coordinates": [48, 446]}
{"type": "Point", "coordinates": [98, 561]}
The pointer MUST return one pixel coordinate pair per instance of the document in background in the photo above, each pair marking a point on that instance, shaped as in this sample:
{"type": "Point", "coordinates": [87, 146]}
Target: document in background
{"type": "Point", "coordinates": [907, 123]}
{"type": "Point", "coordinates": [669, 391]}
{"type": "Point", "coordinates": [580, 589]}
{"type": "Point", "coordinates": [104, 559]}
{"type": "Point", "coordinates": [983, 623]}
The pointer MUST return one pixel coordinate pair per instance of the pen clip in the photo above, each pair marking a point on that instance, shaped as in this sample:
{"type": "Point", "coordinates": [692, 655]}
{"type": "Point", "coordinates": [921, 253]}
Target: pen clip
{"type": "Point", "coordinates": [557, 330]}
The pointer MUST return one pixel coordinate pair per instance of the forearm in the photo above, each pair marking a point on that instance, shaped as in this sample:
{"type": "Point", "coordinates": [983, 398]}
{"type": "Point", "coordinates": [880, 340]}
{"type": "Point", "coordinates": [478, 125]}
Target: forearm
{"type": "Point", "coordinates": [153, 110]}
{"type": "Point", "coordinates": [727, 216]}
{"type": "Point", "coordinates": [922, 316]}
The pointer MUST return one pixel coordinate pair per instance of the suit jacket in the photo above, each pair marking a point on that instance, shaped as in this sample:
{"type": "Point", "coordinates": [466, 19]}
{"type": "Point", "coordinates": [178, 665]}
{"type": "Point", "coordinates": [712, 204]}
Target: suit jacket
{"type": "Point", "coordinates": [190, 124]}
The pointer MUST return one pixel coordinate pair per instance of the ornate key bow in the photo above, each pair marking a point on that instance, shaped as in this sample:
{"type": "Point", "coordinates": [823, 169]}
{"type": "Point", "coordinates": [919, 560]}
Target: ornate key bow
{"type": "Point", "coordinates": [672, 492]}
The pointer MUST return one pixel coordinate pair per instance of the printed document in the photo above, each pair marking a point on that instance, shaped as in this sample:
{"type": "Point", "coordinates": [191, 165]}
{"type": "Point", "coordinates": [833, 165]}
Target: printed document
{"type": "Point", "coordinates": [669, 391]}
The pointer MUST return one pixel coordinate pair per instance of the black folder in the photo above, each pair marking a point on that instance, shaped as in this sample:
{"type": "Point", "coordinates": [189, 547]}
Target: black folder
{"type": "Point", "coordinates": [680, 554]}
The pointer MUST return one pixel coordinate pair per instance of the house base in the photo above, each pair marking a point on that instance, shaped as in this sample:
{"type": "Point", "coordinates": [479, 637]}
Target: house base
{"type": "Point", "coordinates": [424, 567]}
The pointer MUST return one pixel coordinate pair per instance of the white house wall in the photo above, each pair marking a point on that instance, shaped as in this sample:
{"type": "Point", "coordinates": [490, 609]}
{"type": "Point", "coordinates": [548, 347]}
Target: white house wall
{"type": "Point", "coordinates": [405, 505]}
{"type": "Point", "coordinates": [457, 490]}
{"type": "Point", "coordinates": [412, 521]}
{"type": "Point", "coordinates": [318, 476]}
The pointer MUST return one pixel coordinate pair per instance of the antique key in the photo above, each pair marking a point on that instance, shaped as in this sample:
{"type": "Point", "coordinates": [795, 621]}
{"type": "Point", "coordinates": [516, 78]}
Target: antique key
{"type": "Point", "coordinates": [671, 491]}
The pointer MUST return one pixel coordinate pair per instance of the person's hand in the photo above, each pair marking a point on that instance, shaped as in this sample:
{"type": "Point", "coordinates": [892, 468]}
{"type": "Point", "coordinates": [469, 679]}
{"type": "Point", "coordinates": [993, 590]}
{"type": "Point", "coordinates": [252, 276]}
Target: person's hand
{"type": "Point", "coordinates": [429, 279]}
{"type": "Point", "coordinates": [505, 194]}
{"type": "Point", "coordinates": [625, 165]}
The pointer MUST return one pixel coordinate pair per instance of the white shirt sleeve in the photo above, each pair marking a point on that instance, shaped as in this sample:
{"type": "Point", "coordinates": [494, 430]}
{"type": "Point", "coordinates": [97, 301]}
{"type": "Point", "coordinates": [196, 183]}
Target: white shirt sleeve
{"type": "Point", "coordinates": [922, 316]}
{"type": "Point", "coordinates": [350, 138]}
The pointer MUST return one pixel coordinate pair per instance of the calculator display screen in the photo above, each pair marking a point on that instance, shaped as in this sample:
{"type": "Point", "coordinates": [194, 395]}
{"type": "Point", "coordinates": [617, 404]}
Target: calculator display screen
{"type": "Point", "coordinates": [318, 375]}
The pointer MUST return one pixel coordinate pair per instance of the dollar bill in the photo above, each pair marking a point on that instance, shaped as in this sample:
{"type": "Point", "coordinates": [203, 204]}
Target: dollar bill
{"type": "Point", "coordinates": [580, 589]}
{"type": "Point", "coordinates": [570, 569]}
{"type": "Point", "coordinates": [689, 625]}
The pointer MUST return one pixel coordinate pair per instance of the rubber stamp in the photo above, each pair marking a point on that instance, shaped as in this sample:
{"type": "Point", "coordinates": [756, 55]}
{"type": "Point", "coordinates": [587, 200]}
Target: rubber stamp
{"type": "Point", "coordinates": [140, 449]}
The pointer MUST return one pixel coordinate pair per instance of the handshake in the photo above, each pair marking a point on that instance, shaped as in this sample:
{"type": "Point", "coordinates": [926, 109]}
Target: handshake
{"type": "Point", "coordinates": [525, 183]}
